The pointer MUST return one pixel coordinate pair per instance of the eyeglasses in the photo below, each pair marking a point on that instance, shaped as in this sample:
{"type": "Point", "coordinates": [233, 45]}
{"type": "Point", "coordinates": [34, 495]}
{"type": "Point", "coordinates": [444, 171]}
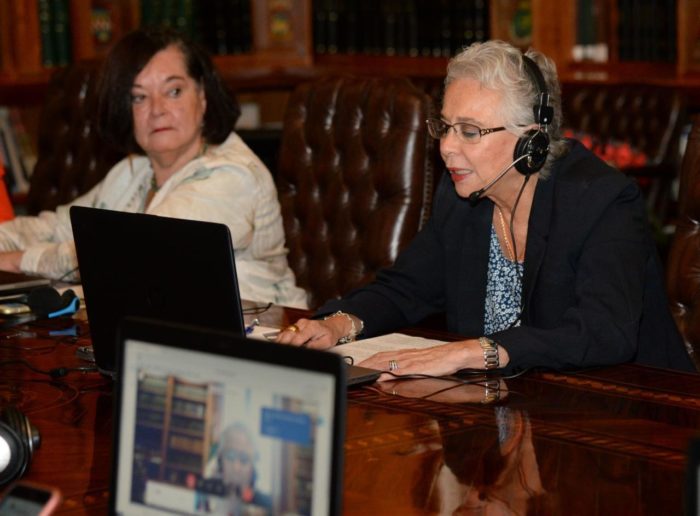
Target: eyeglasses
{"type": "Point", "coordinates": [235, 455]}
{"type": "Point", "coordinates": [468, 133]}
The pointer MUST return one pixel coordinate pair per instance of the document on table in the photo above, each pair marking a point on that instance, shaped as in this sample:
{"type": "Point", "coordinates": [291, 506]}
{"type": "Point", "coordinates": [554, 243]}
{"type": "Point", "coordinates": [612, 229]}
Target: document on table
{"type": "Point", "coordinates": [365, 348]}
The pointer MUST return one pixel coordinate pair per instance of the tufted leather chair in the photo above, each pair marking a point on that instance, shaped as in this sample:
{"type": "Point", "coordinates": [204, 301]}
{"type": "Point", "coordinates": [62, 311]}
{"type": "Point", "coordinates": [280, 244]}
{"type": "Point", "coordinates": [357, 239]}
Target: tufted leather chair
{"type": "Point", "coordinates": [70, 157]}
{"type": "Point", "coordinates": [683, 265]}
{"type": "Point", "coordinates": [649, 118]}
{"type": "Point", "coordinates": [355, 178]}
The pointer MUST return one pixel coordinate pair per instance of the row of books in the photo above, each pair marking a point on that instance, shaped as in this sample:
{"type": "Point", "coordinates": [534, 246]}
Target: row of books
{"type": "Point", "coordinates": [647, 30]}
{"type": "Point", "coordinates": [54, 29]}
{"type": "Point", "coordinates": [17, 155]}
{"type": "Point", "coordinates": [430, 28]}
{"type": "Point", "coordinates": [221, 26]}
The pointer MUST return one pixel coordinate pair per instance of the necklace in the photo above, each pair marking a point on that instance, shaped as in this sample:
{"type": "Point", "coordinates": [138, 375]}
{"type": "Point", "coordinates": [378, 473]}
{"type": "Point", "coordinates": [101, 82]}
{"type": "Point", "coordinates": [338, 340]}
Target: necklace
{"type": "Point", "coordinates": [505, 235]}
{"type": "Point", "coordinates": [154, 184]}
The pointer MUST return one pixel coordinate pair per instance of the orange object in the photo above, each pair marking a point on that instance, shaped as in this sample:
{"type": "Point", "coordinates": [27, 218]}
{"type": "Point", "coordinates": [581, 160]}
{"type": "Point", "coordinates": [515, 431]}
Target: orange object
{"type": "Point", "coordinates": [6, 211]}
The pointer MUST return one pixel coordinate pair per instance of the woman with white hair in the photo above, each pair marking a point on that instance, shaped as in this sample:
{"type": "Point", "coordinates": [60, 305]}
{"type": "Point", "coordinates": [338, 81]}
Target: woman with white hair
{"type": "Point", "coordinates": [537, 251]}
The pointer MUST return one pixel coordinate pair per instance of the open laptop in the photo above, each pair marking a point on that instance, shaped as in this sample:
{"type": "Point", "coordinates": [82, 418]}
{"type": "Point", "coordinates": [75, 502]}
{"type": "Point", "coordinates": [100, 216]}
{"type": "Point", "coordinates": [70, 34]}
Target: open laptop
{"type": "Point", "coordinates": [14, 284]}
{"type": "Point", "coordinates": [159, 267]}
{"type": "Point", "coordinates": [212, 423]}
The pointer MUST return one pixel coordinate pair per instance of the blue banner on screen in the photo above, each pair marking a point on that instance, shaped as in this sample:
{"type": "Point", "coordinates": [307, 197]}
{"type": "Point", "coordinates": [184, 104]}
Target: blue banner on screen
{"type": "Point", "coordinates": [289, 426]}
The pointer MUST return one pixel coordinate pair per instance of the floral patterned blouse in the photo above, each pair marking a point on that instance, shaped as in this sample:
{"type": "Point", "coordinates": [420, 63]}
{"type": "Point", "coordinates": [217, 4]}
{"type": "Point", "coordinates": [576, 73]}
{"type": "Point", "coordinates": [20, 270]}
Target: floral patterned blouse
{"type": "Point", "coordinates": [503, 290]}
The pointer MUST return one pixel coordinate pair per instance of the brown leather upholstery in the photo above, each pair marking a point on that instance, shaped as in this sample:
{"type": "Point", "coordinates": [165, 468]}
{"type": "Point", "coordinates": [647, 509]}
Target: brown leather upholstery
{"type": "Point", "coordinates": [70, 156]}
{"type": "Point", "coordinates": [355, 178]}
{"type": "Point", "coordinates": [649, 118]}
{"type": "Point", "coordinates": [683, 266]}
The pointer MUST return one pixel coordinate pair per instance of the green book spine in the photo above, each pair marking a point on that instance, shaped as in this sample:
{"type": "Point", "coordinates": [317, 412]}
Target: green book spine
{"type": "Point", "coordinates": [61, 31]}
{"type": "Point", "coordinates": [48, 54]}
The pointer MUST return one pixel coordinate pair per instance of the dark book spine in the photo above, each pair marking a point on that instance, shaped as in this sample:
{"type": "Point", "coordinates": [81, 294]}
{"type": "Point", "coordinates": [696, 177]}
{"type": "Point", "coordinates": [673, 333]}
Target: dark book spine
{"type": "Point", "coordinates": [412, 28]}
{"type": "Point", "coordinates": [246, 27]}
{"type": "Point", "coordinates": [48, 50]}
{"type": "Point", "coordinates": [445, 40]}
{"type": "Point", "coordinates": [624, 32]}
{"type": "Point", "coordinates": [333, 26]}
{"type": "Point", "coordinates": [218, 22]}
{"type": "Point", "coordinates": [389, 31]}
{"type": "Point", "coordinates": [351, 28]}
{"type": "Point", "coordinates": [671, 35]}
{"type": "Point", "coordinates": [320, 15]}
{"type": "Point", "coordinates": [481, 20]}
{"type": "Point", "coordinates": [61, 32]}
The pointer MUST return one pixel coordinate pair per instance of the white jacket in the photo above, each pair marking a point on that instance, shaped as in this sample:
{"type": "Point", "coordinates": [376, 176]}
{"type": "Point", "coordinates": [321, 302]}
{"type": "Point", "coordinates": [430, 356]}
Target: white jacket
{"type": "Point", "coordinates": [228, 184]}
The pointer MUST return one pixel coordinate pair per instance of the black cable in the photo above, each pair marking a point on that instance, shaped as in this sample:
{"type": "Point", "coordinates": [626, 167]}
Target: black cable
{"type": "Point", "coordinates": [484, 372]}
{"type": "Point", "coordinates": [64, 276]}
{"type": "Point", "coordinates": [254, 310]}
{"type": "Point", "coordinates": [518, 268]}
{"type": "Point", "coordinates": [56, 372]}
{"type": "Point", "coordinates": [459, 382]}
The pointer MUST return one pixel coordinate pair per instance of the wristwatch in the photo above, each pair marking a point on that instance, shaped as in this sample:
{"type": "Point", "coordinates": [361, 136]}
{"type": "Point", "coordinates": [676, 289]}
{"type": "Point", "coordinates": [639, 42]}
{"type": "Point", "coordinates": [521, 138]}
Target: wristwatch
{"type": "Point", "coordinates": [490, 349]}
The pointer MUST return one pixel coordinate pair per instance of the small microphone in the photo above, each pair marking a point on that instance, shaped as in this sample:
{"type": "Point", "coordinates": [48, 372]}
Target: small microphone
{"type": "Point", "coordinates": [475, 196]}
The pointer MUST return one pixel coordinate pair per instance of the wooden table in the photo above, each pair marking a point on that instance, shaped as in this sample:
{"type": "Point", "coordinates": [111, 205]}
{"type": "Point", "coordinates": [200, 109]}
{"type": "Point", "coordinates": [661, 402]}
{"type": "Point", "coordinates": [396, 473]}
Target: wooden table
{"type": "Point", "coordinates": [607, 441]}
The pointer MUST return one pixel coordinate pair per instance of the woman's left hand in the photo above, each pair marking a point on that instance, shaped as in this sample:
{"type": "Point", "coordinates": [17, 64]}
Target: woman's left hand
{"type": "Point", "coordinates": [10, 261]}
{"type": "Point", "coordinates": [439, 360]}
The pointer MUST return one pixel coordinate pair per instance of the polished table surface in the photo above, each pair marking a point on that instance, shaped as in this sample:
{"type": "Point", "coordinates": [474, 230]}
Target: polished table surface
{"type": "Point", "coordinates": [606, 441]}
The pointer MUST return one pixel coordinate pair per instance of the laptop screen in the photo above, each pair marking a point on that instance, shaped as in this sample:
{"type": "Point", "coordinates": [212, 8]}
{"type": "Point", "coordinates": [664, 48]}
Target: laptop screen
{"type": "Point", "coordinates": [211, 424]}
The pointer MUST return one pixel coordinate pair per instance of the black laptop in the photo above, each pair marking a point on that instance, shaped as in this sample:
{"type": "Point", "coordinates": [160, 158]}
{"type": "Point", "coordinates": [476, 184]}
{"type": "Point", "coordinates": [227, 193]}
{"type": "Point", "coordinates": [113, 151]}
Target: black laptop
{"type": "Point", "coordinates": [14, 284]}
{"type": "Point", "coordinates": [159, 267]}
{"type": "Point", "coordinates": [211, 423]}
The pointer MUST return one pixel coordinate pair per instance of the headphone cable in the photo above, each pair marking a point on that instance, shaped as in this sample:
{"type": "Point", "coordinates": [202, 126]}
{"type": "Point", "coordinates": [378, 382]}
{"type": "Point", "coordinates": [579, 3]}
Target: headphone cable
{"type": "Point", "coordinates": [56, 372]}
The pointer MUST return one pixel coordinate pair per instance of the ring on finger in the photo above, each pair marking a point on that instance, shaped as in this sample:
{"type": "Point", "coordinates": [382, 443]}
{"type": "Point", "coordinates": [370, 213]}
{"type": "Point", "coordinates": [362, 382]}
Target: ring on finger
{"type": "Point", "coordinates": [393, 365]}
{"type": "Point", "coordinates": [292, 327]}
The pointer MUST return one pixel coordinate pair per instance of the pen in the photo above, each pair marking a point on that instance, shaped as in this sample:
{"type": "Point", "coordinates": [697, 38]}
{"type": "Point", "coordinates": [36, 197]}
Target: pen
{"type": "Point", "coordinates": [249, 329]}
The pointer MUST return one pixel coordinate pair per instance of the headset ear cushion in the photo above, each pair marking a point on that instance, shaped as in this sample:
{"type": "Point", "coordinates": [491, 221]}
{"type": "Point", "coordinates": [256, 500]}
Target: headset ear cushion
{"type": "Point", "coordinates": [535, 145]}
{"type": "Point", "coordinates": [15, 453]}
{"type": "Point", "coordinates": [44, 300]}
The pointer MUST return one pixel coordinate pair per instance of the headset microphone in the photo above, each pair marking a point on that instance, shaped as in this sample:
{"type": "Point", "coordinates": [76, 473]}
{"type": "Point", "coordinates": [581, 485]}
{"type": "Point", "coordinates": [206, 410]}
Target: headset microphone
{"type": "Point", "coordinates": [475, 196]}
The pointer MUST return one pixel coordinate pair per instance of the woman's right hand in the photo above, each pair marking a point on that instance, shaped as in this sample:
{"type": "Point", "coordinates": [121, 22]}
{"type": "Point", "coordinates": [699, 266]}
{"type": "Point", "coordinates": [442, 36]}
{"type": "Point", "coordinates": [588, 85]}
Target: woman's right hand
{"type": "Point", "coordinates": [315, 333]}
{"type": "Point", "coordinates": [10, 261]}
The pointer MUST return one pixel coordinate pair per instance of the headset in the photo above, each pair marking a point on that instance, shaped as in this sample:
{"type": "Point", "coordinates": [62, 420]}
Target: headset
{"type": "Point", "coordinates": [47, 302]}
{"type": "Point", "coordinates": [18, 441]}
{"type": "Point", "coordinates": [533, 146]}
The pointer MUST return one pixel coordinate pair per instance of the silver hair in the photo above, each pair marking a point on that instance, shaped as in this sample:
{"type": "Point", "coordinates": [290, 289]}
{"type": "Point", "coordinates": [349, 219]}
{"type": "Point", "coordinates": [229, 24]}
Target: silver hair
{"type": "Point", "coordinates": [499, 66]}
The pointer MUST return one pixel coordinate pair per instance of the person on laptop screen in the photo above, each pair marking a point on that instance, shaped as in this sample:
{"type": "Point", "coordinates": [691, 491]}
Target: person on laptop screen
{"type": "Point", "coordinates": [538, 252]}
{"type": "Point", "coordinates": [236, 459]}
{"type": "Point", "coordinates": [162, 103]}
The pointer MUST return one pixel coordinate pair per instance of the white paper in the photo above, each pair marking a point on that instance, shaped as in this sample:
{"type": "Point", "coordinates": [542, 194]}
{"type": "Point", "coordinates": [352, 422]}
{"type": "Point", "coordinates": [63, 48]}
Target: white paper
{"type": "Point", "coordinates": [365, 348]}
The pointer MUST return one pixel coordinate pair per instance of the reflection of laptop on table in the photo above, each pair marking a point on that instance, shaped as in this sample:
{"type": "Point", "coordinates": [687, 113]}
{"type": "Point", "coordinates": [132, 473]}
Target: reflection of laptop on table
{"type": "Point", "coordinates": [211, 423]}
{"type": "Point", "coordinates": [158, 267]}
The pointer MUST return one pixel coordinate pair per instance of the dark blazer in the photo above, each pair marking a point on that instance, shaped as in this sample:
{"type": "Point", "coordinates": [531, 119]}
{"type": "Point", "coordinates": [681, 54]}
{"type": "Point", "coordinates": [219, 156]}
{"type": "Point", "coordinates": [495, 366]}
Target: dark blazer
{"type": "Point", "coordinates": [593, 287]}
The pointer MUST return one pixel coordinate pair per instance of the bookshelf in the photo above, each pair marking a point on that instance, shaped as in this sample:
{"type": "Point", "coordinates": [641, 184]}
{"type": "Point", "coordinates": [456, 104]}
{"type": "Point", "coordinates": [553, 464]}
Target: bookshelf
{"type": "Point", "coordinates": [288, 41]}
{"type": "Point", "coordinates": [652, 42]}
{"type": "Point", "coordinates": [187, 431]}
{"type": "Point", "coordinates": [176, 420]}
{"type": "Point", "coordinates": [271, 35]}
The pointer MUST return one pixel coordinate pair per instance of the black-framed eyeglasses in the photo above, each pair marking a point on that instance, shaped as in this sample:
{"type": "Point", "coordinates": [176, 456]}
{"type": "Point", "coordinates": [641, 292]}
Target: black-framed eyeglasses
{"type": "Point", "coordinates": [468, 133]}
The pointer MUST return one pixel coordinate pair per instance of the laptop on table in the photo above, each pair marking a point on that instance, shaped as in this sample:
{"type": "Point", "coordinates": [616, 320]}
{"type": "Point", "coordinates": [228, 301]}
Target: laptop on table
{"type": "Point", "coordinates": [163, 268]}
{"type": "Point", "coordinates": [168, 269]}
{"type": "Point", "coordinates": [14, 284]}
{"type": "Point", "coordinates": [209, 422]}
